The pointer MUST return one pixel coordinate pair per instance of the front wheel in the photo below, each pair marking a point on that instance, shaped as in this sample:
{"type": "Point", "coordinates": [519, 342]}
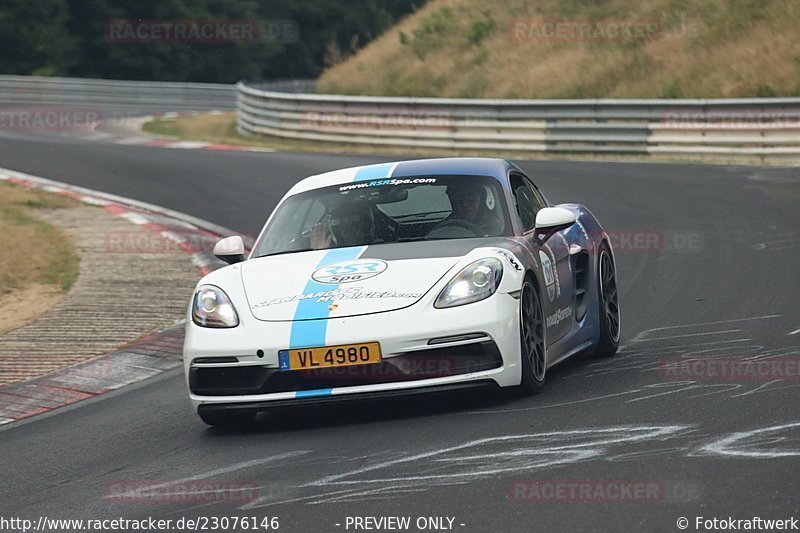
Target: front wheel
{"type": "Point", "coordinates": [532, 350]}
{"type": "Point", "coordinates": [608, 304]}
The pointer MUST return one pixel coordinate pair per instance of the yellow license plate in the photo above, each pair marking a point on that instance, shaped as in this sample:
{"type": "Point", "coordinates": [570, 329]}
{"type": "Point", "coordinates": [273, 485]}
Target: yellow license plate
{"type": "Point", "coordinates": [330, 356]}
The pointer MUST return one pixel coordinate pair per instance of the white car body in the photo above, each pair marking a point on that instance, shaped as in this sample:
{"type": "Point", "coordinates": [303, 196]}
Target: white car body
{"type": "Point", "coordinates": [353, 295]}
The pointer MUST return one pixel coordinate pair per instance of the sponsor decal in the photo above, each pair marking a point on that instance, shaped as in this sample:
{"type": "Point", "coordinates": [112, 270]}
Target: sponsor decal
{"type": "Point", "coordinates": [347, 293]}
{"type": "Point", "coordinates": [558, 317]}
{"type": "Point", "coordinates": [387, 181]}
{"type": "Point", "coordinates": [511, 258]}
{"type": "Point", "coordinates": [549, 272]}
{"type": "Point", "coordinates": [349, 271]}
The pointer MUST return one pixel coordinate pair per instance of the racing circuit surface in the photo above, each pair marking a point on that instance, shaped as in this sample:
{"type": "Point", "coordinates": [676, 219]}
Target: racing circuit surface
{"type": "Point", "coordinates": [707, 264]}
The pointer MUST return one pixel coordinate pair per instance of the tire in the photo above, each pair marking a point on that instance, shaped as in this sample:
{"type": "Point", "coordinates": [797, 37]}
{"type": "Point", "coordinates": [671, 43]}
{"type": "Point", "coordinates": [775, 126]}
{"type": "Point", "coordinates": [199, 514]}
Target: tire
{"type": "Point", "coordinates": [533, 351]}
{"type": "Point", "coordinates": [225, 419]}
{"type": "Point", "coordinates": [608, 304]}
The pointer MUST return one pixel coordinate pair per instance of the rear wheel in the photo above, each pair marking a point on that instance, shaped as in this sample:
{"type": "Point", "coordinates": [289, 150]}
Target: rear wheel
{"type": "Point", "coordinates": [532, 346]}
{"type": "Point", "coordinates": [608, 304]}
{"type": "Point", "coordinates": [225, 419]}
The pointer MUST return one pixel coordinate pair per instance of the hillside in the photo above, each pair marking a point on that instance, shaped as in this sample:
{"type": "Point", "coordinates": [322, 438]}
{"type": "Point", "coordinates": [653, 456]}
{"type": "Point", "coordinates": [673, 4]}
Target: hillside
{"type": "Point", "coordinates": [582, 49]}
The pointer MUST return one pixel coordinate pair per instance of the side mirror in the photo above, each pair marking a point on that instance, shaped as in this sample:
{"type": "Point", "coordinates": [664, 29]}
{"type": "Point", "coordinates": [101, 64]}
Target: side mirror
{"type": "Point", "coordinates": [230, 250]}
{"type": "Point", "coordinates": [551, 220]}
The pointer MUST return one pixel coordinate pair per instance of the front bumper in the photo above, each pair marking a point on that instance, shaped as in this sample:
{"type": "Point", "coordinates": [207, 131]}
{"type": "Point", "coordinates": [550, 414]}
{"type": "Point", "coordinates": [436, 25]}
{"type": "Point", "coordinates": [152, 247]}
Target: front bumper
{"type": "Point", "coordinates": [237, 365]}
{"type": "Point", "coordinates": [486, 385]}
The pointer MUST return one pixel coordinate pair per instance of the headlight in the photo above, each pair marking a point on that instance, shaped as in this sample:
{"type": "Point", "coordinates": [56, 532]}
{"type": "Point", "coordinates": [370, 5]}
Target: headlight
{"type": "Point", "coordinates": [211, 308]}
{"type": "Point", "coordinates": [475, 282]}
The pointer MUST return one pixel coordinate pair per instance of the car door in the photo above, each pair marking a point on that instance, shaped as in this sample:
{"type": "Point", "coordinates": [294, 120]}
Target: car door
{"type": "Point", "coordinates": [554, 257]}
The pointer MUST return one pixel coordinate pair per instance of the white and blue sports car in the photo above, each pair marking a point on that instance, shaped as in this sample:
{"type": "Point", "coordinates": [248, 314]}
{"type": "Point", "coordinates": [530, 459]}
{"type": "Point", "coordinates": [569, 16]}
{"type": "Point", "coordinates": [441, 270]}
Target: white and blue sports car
{"type": "Point", "coordinates": [400, 278]}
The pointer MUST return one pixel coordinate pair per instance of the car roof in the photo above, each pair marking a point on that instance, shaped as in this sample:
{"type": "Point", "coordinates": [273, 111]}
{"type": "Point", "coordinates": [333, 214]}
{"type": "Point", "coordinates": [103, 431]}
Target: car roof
{"type": "Point", "coordinates": [475, 166]}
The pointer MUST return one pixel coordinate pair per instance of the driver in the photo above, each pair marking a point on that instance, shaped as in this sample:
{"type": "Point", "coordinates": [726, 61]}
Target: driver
{"type": "Point", "coordinates": [468, 202]}
{"type": "Point", "coordinates": [348, 224]}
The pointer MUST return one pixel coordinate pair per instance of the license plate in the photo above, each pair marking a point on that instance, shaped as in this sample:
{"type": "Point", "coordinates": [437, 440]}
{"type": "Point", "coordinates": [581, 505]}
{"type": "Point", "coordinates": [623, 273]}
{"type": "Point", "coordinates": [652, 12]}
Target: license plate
{"type": "Point", "coordinates": [330, 356]}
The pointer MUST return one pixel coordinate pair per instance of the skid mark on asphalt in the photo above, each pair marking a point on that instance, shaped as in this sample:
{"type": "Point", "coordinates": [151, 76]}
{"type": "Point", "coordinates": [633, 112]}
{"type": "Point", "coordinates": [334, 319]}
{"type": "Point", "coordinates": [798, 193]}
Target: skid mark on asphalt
{"type": "Point", "coordinates": [644, 335]}
{"type": "Point", "coordinates": [182, 489]}
{"type": "Point", "coordinates": [477, 459]}
{"type": "Point", "coordinates": [781, 244]}
{"type": "Point", "coordinates": [765, 443]}
{"type": "Point", "coordinates": [546, 406]}
{"type": "Point", "coordinates": [646, 354]}
{"type": "Point", "coordinates": [650, 351]}
{"type": "Point", "coordinates": [396, 474]}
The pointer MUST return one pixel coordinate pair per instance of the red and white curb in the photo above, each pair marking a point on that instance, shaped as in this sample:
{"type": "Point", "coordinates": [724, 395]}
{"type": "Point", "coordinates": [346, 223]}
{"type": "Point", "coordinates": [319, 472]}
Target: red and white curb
{"type": "Point", "coordinates": [142, 359]}
{"type": "Point", "coordinates": [97, 134]}
{"type": "Point", "coordinates": [181, 145]}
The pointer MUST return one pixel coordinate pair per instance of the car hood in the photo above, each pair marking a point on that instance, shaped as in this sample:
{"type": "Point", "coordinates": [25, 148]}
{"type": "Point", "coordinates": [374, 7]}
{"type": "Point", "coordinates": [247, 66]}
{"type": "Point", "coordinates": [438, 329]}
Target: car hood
{"type": "Point", "coordinates": [346, 282]}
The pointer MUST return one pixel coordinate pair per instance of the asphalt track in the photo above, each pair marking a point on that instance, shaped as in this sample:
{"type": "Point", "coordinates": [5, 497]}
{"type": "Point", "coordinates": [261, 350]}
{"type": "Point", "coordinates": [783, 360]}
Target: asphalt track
{"type": "Point", "coordinates": [719, 277]}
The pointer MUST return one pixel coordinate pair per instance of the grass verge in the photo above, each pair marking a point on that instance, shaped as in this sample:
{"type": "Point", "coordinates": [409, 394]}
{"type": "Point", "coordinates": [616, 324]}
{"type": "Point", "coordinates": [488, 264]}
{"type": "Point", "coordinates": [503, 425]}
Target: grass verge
{"type": "Point", "coordinates": [39, 262]}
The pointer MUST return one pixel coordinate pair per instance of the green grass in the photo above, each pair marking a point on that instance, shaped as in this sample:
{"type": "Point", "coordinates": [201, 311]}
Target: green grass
{"type": "Point", "coordinates": [34, 251]}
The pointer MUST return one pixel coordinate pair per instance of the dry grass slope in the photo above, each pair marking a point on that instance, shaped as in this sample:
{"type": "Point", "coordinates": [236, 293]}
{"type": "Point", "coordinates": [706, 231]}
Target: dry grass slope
{"type": "Point", "coordinates": [505, 49]}
{"type": "Point", "coordinates": [39, 262]}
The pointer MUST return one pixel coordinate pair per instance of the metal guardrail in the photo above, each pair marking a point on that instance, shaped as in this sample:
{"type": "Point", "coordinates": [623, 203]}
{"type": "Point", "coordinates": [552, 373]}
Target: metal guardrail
{"type": "Point", "coordinates": [135, 95]}
{"type": "Point", "coordinates": [757, 126]}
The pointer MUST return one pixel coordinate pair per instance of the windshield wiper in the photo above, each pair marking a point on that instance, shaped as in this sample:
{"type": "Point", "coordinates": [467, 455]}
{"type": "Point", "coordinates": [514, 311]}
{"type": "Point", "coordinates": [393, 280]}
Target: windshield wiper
{"type": "Point", "coordinates": [412, 239]}
{"type": "Point", "coordinates": [286, 252]}
{"type": "Point", "coordinates": [425, 214]}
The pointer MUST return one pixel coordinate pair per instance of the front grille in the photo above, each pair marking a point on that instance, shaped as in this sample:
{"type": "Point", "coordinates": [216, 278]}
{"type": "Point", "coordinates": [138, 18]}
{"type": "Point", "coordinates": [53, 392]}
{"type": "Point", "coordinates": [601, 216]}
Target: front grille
{"type": "Point", "coordinates": [424, 364]}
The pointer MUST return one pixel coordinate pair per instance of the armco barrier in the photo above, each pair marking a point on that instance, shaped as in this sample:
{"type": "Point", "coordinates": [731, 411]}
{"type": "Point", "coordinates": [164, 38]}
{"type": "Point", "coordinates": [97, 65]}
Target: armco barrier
{"type": "Point", "coordinates": [135, 95]}
{"type": "Point", "coordinates": [761, 127]}
{"type": "Point", "coordinates": [755, 127]}
{"type": "Point", "coordinates": [144, 96]}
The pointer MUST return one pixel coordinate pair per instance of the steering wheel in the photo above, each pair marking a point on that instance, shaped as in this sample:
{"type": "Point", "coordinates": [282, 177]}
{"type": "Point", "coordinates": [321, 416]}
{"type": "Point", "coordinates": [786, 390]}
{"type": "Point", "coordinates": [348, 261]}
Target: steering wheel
{"type": "Point", "coordinates": [304, 238]}
{"type": "Point", "coordinates": [458, 223]}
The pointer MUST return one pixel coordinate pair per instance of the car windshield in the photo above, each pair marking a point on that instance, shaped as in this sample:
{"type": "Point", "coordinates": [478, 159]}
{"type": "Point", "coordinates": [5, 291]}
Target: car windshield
{"type": "Point", "coordinates": [386, 211]}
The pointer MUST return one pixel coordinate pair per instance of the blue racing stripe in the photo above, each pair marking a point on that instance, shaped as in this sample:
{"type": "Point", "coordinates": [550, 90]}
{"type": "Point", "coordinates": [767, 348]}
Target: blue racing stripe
{"type": "Point", "coordinates": [311, 317]}
{"type": "Point", "coordinates": [374, 172]}
{"type": "Point", "coordinates": [307, 332]}
{"type": "Point", "coordinates": [312, 393]}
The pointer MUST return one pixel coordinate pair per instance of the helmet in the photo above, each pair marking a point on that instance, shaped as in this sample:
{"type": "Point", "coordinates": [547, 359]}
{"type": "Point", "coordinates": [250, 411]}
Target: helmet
{"type": "Point", "coordinates": [351, 224]}
{"type": "Point", "coordinates": [465, 192]}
